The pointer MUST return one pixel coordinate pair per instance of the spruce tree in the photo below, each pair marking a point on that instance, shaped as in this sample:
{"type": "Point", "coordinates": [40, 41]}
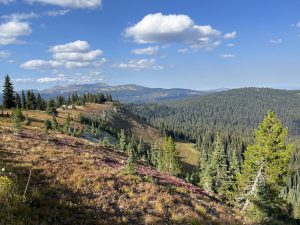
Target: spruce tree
{"type": "Point", "coordinates": [265, 169]}
{"type": "Point", "coordinates": [218, 167]}
{"type": "Point", "coordinates": [51, 108]}
{"type": "Point", "coordinates": [233, 173]}
{"type": "Point", "coordinates": [169, 158]}
{"type": "Point", "coordinates": [130, 163]}
{"type": "Point", "coordinates": [8, 94]}
{"type": "Point", "coordinates": [18, 102]}
{"type": "Point", "coordinates": [141, 149]}
{"type": "Point", "coordinates": [205, 181]}
{"type": "Point", "coordinates": [122, 141]}
{"type": "Point", "coordinates": [24, 104]}
{"type": "Point", "coordinates": [67, 124]}
{"type": "Point", "coordinates": [18, 118]}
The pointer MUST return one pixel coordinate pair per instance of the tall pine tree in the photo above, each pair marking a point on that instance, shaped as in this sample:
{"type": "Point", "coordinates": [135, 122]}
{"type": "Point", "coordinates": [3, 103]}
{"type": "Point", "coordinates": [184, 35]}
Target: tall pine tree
{"type": "Point", "coordinates": [23, 98]}
{"type": "Point", "coordinates": [265, 169]}
{"type": "Point", "coordinates": [8, 94]}
{"type": "Point", "coordinates": [218, 167]}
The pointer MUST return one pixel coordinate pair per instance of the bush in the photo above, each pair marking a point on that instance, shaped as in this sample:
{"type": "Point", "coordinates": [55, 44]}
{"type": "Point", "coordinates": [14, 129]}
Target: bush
{"type": "Point", "coordinates": [48, 125]}
{"type": "Point", "coordinates": [18, 118]}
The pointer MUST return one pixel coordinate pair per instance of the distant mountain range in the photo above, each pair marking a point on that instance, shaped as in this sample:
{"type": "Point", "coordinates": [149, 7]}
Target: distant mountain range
{"type": "Point", "coordinates": [129, 93]}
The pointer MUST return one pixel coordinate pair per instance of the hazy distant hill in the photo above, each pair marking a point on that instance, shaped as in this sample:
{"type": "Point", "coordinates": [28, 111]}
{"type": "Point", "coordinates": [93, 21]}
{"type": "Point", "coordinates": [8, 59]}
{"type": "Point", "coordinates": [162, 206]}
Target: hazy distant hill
{"type": "Point", "coordinates": [125, 93]}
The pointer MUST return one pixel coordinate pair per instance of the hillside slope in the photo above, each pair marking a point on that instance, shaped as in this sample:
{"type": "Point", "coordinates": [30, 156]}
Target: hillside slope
{"type": "Point", "coordinates": [234, 113]}
{"type": "Point", "coordinates": [75, 181]}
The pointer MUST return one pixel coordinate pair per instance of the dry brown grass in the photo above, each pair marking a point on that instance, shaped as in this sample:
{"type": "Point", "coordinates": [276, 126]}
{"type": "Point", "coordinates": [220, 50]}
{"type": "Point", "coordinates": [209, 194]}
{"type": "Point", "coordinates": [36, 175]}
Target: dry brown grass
{"type": "Point", "coordinates": [77, 182]}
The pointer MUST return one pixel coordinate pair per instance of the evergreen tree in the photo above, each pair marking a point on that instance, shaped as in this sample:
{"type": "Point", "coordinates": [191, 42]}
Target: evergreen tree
{"type": "Point", "coordinates": [51, 108]}
{"type": "Point", "coordinates": [233, 173]}
{"type": "Point", "coordinates": [169, 158]}
{"type": "Point", "coordinates": [141, 149]}
{"type": "Point", "coordinates": [40, 102]}
{"type": "Point", "coordinates": [218, 167]}
{"type": "Point", "coordinates": [48, 125]}
{"type": "Point", "coordinates": [18, 102]}
{"type": "Point", "coordinates": [122, 141]}
{"type": "Point", "coordinates": [8, 94]}
{"type": "Point", "coordinates": [67, 124]}
{"type": "Point", "coordinates": [28, 100]}
{"type": "Point", "coordinates": [130, 164]}
{"type": "Point", "coordinates": [265, 169]}
{"type": "Point", "coordinates": [155, 155]}
{"type": "Point", "coordinates": [24, 104]}
{"type": "Point", "coordinates": [18, 118]}
{"type": "Point", "coordinates": [205, 180]}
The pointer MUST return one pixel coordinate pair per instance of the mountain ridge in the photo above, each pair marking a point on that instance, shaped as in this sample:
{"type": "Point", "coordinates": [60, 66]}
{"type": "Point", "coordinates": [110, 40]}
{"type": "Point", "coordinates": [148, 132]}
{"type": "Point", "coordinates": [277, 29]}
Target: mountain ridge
{"type": "Point", "coordinates": [128, 93]}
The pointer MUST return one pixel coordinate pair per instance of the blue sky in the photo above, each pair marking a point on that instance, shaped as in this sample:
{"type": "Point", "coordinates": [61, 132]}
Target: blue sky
{"type": "Point", "coordinates": [159, 43]}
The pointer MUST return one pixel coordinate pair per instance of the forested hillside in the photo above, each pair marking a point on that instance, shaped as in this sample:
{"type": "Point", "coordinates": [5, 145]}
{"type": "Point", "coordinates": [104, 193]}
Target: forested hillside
{"type": "Point", "coordinates": [233, 113]}
{"type": "Point", "coordinates": [235, 110]}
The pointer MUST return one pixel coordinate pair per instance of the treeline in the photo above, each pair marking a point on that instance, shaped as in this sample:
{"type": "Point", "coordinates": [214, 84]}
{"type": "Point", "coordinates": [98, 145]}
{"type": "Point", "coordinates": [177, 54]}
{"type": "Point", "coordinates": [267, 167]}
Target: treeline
{"type": "Point", "coordinates": [33, 101]}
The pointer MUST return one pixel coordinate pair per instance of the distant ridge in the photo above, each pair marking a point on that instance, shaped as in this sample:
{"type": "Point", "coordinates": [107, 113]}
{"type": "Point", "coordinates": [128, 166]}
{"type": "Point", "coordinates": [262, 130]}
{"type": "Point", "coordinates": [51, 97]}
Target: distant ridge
{"type": "Point", "coordinates": [129, 93]}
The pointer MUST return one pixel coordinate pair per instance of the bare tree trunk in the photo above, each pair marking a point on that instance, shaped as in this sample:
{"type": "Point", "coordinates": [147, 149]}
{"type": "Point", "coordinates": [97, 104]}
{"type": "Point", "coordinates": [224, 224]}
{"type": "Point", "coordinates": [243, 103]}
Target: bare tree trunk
{"type": "Point", "coordinates": [253, 188]}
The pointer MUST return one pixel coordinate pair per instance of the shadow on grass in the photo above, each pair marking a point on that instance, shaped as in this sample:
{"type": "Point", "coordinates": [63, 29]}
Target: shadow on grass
{"type": "Point", "coordinates": [49, 202]}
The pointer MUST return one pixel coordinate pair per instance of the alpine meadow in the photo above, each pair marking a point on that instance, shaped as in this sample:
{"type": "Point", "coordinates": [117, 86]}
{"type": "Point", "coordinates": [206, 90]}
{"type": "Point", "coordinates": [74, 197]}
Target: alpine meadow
{"type": "Point", "coordinates": [149, 112]}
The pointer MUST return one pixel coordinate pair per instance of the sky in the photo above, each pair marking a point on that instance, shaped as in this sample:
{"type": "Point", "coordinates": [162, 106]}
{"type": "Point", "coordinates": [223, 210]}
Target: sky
{"type": "Point", "coordinates": [195, 44]}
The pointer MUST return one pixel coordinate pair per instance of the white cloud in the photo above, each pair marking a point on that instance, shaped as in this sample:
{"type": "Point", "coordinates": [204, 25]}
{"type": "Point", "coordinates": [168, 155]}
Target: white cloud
{"type": "Point", "coordinates": [183, 50]}
{"type": "Point", "coordinates": [70, 3]}
{"type": "Point", "coordinates": [41, 64]}
{"type": "Point", "coordinates": [33, 15]}
{"type": "Point", "coordinates": [12, 30]}
{"type": "Point", "coordinates": [139, 64]}
{"type": "Point", "coordinates": [6, 2]}
{"type": "Point", "coordinates": [276, 41]}
{"type": "Point", "coordinates": [20, 16]}
{"type": "Point", "coordinates": [231, 35]}
{"type": "Point", "coordinates": [77, 56]}
{"type": "Point", "coordinates": [227, 56]}
{"type": "Point", "coordinates": [146, 51]}
{"type": "Point", "coordinates": [159, 28]}
{"type": "Point", "coordinates": [230, 45]}
{"type": "Point", "coordinates": [22, 80]}
{"type": "Point", "coordinates": [69, 56]}
{"type": "Point", "coordinates": [49, 79]}
{"type": "Point", "coordinates": [57, 12]}
{"type": "Point", "coordinates": [4, 54]}
{"type": "Point", "coordinates": [76, 46]}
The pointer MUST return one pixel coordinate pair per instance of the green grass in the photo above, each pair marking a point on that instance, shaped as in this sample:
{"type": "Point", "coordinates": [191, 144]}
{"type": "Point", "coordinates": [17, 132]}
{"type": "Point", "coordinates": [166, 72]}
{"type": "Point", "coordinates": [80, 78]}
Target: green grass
{"type": "Point", "coordinates": [189, 156]}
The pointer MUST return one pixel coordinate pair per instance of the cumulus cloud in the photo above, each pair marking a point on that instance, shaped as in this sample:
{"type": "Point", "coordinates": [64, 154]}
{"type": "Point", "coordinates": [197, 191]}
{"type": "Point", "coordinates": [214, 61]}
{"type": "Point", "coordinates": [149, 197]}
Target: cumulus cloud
{"type": "Point", "coordinates": [70, 3]}
{"type": "Point", "coordinates": [69, 56]}
{"type": "Point", "coordinates": [4, 54]}
{"type": "Point", "coordinates": [227, 56]}
{"type": "Point", "coordinates": [231, 35]}
{"type": "Point", "coordinates": [152, 50]}
{"type": "Point", "coordinates": [6, 2]}
{"type": "Point", "coordinates": [12, 30]}
{"type": "Point", "coordinates": [159, 28]}
{"type": "Point", "coordinates": [276, 41]}
{"type": "Point", "coordinates": [139, 64]}
{"type": "Point", "coordinates": [76, 46]}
